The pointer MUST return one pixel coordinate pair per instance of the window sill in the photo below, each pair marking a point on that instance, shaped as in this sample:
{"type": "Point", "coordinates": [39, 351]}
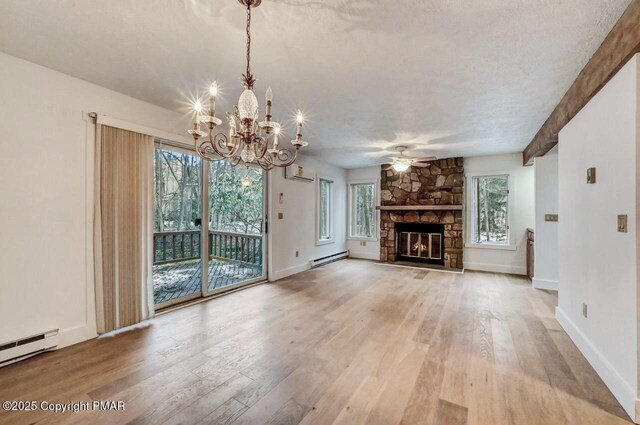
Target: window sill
{"type": "Point", "coordinates": [325, 242]}
{"type": "Point", "coordinates": [356, 238]}
{"type": "Point", "coordinates": [491, 246]}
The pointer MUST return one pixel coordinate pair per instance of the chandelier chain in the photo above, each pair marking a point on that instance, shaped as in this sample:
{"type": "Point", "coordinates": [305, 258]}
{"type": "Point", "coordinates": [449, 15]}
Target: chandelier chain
{"type": "Point", "coordinates": [249, 38]}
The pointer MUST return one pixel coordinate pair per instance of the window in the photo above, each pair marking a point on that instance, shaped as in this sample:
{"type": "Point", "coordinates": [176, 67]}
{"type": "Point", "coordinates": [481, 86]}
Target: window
{"type": "Point", "coordinates": [490, 209]}
{"type": "Point", "coordinates": [325, 206]}
{"type": "Point", "coordinates": [362, 212]}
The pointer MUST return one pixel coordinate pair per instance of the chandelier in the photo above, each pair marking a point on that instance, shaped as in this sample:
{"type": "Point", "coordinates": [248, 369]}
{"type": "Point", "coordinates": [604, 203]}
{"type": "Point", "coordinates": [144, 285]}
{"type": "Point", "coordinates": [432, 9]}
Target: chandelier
{"type": "Point", "coordinates": [250, 141]}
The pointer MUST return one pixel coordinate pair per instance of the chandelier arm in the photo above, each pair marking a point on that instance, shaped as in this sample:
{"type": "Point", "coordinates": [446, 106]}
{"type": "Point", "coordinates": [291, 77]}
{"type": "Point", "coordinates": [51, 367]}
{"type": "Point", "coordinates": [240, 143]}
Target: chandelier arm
{"type": "Point", "coordinates": [283, 154]}
{"type": "Point", "coordinates": [260, 147]}
{"type": "Point", "coordinates": [237, 145]}
{"type": "Point", "coordinates": [205, 153]}
{"type": "Point", "coordinates": [265, 164]}
{"type": "Point", "coordinates": [219, 144]}
{"type": "Point", "coordinates": [234, 161]}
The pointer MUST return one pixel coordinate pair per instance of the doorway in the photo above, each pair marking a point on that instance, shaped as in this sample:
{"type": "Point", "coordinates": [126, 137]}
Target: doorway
{"type": "Point", "coordinates": [195, 257]}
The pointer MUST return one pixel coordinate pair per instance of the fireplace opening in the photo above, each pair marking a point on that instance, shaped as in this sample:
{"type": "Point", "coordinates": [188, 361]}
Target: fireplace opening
{"type": "Point", "coordinates": [420, 242]}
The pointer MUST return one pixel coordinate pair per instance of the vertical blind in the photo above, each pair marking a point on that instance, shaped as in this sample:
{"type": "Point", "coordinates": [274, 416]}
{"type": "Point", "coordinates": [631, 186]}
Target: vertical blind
{"type": "Point", "coordinates": [123, 227]}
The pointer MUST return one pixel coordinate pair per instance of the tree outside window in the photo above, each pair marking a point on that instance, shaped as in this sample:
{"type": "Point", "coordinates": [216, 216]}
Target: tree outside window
{"type": "Point", "coordinates": [362, 210]}
{"type": "Point", "coordinates": [325, 188]}
{"type": "Point", "coordinates": [491, 209]}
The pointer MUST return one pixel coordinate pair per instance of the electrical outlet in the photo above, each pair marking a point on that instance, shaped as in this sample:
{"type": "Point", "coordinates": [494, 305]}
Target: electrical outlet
{"type": "Point", "coordinates": [584, 309]}
{"type": "Point", "coordinates": [551, 217]}
{"type": "Point", "coordinates": [280, 216]}
{"type": "Point", "coordinates": [297, 253]}
{"type": "Point", "coordinates": [363, 243]}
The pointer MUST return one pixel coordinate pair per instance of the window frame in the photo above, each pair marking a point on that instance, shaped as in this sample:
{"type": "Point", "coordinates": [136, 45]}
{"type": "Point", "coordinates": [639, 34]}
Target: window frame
{"type": "Point", "coordinates": [332, 236]}
{"type": "Point", "coordinates": [350, 216]}
{"type": "Point", "coordinates": [473, 216]}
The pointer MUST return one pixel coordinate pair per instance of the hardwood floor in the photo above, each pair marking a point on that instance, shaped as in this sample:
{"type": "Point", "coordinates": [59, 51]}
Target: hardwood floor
{"type": "Point", "coordinates": [352, 342]}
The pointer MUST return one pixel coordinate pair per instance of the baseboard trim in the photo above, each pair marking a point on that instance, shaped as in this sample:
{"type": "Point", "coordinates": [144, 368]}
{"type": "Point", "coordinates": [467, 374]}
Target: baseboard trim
{"type": "Point", "coordinates": [290, 271]}
{"type": "Point", "coordinates": [496, 268]}
{"type": "Point", "coordinates": [364, 255]}
{"type": "Point", "coordinates": [621, 390]}
{"type": "Point", "coordinates": [75, 335]}
{"type": "Point", "coordinates": [550, 285]}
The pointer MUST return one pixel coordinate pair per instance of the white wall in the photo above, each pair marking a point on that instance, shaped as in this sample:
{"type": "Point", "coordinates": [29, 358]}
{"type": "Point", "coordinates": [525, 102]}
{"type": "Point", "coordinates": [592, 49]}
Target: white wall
{"type": "Point", "coordinates": [511, 258]}
{"type": "Point", "coordinates": [296, 231]}
{"type": "Point", "coordinates": [546, 232]}
{"type": "Point", "coordinates": [369, 250]}
{"type": "Point", "coordinates": [46, 181]}
{"type": "Point", "coordinates": [597, 264]}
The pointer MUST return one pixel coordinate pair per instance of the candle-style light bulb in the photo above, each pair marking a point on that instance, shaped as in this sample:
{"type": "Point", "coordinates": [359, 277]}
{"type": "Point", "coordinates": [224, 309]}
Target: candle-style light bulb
{"type": "Point", "coordinates": [198, 106]}
{"type": "Point", "coordinates": [232, 127]}
{"type": "Point", "coordinates": [299, 119]}
{"type": "Point", "coordinates": [213, 89]}
{"type": "Point", "coordinates": [267, 112]}
{"type": "Point", "coordinates": [275, 138]}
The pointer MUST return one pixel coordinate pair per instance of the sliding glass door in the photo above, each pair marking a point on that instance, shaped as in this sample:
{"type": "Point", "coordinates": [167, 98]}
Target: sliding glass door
{"type": "Point", "coordinates": [177, 259]}
{"type": "Point", "coordinates": [236, 212]}
{"type": "Point", "coordinates": [195, 257]}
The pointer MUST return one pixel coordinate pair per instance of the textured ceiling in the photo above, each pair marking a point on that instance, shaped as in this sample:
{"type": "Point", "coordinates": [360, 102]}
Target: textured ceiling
{"type": "Point", "coordinates": [445, 77]}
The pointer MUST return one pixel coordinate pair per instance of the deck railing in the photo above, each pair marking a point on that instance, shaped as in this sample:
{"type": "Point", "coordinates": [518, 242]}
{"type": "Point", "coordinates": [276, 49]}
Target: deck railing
{"type": "Point", "coordinates": [174, 246]}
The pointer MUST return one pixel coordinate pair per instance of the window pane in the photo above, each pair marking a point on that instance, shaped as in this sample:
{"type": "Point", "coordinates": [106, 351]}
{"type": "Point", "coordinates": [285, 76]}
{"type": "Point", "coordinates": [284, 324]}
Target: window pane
{"type": "Point", "coordinates": [363, 210]}
{"type": "Point", "coordinates": [177, 191]}
{"type": "Point", "coordinates": [235, 198]}
{"type": "Point", "coordinates": [325, 209]}
{"type": "Point", "coordinates": [491, 209]}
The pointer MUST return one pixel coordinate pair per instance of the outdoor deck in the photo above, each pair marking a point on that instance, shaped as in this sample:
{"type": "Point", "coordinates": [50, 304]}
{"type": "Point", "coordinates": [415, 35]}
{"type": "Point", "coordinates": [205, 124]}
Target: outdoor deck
{"type": "Point", "coordinates": [180, 279]}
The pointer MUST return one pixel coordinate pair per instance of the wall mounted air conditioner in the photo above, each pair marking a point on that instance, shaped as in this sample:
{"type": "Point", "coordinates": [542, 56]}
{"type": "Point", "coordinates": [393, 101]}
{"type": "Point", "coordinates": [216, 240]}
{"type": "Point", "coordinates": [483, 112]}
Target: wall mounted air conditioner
{"type": "Point", "coordinates": [300, 172]}
{"type": "Point", "coordinates": [23, 348]}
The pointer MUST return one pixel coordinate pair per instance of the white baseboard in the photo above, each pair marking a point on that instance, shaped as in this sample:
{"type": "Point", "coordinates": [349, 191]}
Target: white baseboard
{"type": "Point", "coordinates": [76, 334]}
{"type": "Point", "coordinates": [290, 271]}
{"type": "Point", "coordinates": [364, 255]}
{"type": "Point", "coordinates": [621, 390]}
{"type": "Point", "coordinates": [496, 268]}
{"type": "Point", "coordinates": [550, 285]}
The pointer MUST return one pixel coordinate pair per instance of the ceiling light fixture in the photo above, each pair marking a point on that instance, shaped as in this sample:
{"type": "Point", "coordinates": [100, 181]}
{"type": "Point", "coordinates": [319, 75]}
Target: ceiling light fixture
{"type": "Point", "coordinates": [248, 139]}
{"type": "Point", "coordinates": [402, 163]}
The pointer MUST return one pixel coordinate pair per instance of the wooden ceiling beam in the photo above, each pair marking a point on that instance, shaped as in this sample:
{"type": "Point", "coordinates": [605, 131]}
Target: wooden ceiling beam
{"type": "Point", "coordinates": [617, 48]}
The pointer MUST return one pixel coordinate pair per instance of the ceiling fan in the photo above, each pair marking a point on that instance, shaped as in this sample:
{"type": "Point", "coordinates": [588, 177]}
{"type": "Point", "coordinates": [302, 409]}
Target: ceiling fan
{"type": "Point", "coordinates": [402, 163]}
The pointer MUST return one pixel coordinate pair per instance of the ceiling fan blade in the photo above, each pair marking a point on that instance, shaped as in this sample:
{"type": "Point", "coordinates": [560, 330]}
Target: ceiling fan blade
{"type": "Point", "coordinates": [425, 159]}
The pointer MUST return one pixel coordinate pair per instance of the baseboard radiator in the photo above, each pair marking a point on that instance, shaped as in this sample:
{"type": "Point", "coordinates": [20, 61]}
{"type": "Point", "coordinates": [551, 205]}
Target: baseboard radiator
{"type": "Point", "coordinates": [329, 259]}
{"type": "Point", "coordinates": [24, 348]}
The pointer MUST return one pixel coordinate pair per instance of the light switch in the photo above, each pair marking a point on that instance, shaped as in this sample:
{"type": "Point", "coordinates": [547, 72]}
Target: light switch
{"type": "Point", "coordinates": [622, 223]}
{"type": "Point", "coordinates": [280, 216]}
{"type": "Point", "coordinates": [591, 175]}
{"type": "Point", "coordinates": [551, 217]}
{"type": "Point", "coordinates": [281, 198]}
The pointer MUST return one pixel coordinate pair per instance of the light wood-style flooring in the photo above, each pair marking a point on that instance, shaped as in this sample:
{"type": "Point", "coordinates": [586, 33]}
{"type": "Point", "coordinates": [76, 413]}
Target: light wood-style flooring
{"type": "Point", "coordinates": [352, 342]}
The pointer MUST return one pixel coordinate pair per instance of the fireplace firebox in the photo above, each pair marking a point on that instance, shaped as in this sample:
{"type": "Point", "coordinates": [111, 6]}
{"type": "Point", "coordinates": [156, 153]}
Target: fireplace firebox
{"type": "Point", "coordinates": [420, 242]}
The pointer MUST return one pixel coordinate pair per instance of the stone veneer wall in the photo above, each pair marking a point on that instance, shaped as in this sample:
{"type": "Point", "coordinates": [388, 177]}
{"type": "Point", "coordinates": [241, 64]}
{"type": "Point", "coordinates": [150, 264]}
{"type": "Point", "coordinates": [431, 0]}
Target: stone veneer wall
{"type": "Point", "coordinates": [441, 183]}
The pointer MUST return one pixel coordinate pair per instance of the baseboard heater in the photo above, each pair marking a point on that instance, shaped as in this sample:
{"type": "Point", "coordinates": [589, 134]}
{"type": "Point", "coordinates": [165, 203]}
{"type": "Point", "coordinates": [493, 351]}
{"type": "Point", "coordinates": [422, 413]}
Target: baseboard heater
{"type": "Point", "coordinates": [329, 259]}
{"type": "Point", "coordinates": [24, 348]}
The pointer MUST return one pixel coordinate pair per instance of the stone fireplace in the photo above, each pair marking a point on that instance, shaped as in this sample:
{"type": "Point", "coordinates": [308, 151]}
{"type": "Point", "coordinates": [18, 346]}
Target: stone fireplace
{"type": "Point", "coordinates": [421, 214]}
